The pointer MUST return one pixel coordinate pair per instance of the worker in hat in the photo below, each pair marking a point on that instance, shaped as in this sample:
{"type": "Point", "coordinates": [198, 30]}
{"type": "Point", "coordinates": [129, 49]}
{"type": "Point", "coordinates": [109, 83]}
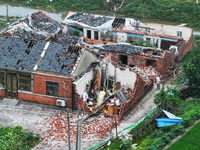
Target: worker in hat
{"type": "Point", "coordinates": [158, 81]}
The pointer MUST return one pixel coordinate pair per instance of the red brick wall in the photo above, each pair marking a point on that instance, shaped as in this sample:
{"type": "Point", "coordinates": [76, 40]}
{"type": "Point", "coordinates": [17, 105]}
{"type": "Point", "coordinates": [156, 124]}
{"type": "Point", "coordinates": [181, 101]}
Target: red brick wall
{"type": "Point", "coordinates": [2, 93]}
{"type": "Point", "coordinates": [184, 48]}
{"type": "Point", "coordinates": [37, 98]}
{"type": "Point", "coordinates": [39, 85]}
{"type": "Point", "coordinates": [139, 90]}
{"type": "Point", "coordinates": [163, 64]}
{"type": "Point", "coordinates": [81, 103]}
{"type": "Point", "coordinates": [137, 60]}
{"type": "Point", "coordinates": [39, 92]}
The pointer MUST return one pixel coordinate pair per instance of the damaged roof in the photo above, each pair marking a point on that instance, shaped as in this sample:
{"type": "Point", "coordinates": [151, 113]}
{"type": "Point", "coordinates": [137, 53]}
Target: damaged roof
{"type": "Point", "coordinates": [89, 19]}
{"type": "Point", "coordinates": [59, 58]}
{"type": "Point", "coordinates": [34, 26]}
{"type": "Point", "coordinates": [132, 50]}
{"type": "Point", "coordinates": [30, 55]}
{"type": "Point", "coordinates": [122, 48]}
{"type": "Point", "coordinates": [67, 39]}
{"type": "Point", "coordinates": [19, 54]}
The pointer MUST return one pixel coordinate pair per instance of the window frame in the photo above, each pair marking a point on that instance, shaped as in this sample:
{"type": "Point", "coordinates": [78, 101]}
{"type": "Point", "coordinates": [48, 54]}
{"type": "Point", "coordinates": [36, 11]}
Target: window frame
{"type": "Point", "coordinates": [179, 33]}
{"type": "Point", "coordinates": [53, 90]}
{"type": "Point", "coordinates": [96, 35]}
{"type": "Point", "coordinates": [23, 78]}
{"type": "Point", "coordinates": [89, 34]}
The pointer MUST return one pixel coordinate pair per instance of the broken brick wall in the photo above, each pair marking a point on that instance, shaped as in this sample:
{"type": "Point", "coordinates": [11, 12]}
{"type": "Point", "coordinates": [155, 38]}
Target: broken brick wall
{"type": "Point", "coordinates": [139, 90]}
{"type": "Point", "coordinates": [78, 101]}
{"type": "Point", "coordinates": [184, 48]}
{"type": "Point", "coordinates": [39, 90]}
{"type": "Point", "coordinates": [131, 60]}
{"type": "Point", "coordinates": [82, 104]}
{"type": "Point", "coordinates": [163, 64]}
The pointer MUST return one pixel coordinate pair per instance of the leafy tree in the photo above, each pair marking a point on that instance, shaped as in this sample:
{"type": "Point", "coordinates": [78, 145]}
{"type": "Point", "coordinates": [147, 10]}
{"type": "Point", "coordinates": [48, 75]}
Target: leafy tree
{"type": "Point", "coordinates": [192, 70]}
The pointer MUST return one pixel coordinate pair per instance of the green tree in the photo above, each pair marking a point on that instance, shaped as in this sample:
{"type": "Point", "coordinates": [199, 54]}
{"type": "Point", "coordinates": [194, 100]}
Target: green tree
{"type": "Point", "coordinates": [192, 71]}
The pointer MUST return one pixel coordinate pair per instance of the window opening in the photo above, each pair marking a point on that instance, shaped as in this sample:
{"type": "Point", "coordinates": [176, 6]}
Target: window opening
{"type": "Point", "coordinates": [123, 60]}
{"type": "Point", "coordinates": [52, 88]}
{"type": "Point", "coordinates": [25, 81]}
{"type": "Point", "coordinates": [179, 33]}
{"type": "Point", "coordinates": [89, 34]}
{"type": "Point", "coordinates": [118, 23]}
{"type": "Point", "coordinates": [96, 35]}
{"type": "Point", "coordinates": [150, 62]}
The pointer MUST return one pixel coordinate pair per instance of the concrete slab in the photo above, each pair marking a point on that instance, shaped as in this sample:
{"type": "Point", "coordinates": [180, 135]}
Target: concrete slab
{"type": "Point", "coordinates": [9, 102]}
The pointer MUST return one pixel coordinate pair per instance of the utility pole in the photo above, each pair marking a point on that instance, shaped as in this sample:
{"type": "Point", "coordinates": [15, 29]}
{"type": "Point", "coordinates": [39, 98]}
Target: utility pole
{"type": "Point", "coordinates": [7, 12]}
{"type": "Point", "coordinates": [116, 127]}
{"type": "Point", "coordinates": [68, 129]}
{"type": "Point", "coordinates": [78, 135]}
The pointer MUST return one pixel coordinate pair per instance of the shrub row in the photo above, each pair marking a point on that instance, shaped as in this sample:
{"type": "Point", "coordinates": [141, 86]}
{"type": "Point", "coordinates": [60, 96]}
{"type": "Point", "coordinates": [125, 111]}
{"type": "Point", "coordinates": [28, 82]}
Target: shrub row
{"type": "Point", "coordinates": [164, 135]}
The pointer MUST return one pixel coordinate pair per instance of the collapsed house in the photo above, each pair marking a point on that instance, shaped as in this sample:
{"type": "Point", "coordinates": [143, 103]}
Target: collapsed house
{"type": "Point", "coordinates": [39, 26]}
{"type": "Point", "coordinates": [116, 29]}
{"type": "Point", "coordinates": [129, 55]}
{"type": "Point", "coordinates": [112, 88]}
{"type": "Point", "coordinates": [41, 63]}
{"type": "Point", "coordinates": [41, 72]}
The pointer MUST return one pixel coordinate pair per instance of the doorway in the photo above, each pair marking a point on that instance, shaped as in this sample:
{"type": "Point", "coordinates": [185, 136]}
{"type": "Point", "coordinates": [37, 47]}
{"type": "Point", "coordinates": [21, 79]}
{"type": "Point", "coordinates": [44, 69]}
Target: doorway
{"type": "Point", "coordinates": [11, 86]}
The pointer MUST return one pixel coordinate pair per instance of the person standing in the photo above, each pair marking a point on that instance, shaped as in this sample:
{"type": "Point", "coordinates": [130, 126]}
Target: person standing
{"type": "Point", "coordinates": [158, 81]}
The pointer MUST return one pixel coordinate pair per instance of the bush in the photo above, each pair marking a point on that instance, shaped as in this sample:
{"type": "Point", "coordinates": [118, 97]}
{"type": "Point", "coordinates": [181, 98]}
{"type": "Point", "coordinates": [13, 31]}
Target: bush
{"type": "Point", "coordinates": [159, 143]}
{"type": "Point", "coordinates": [187, 122]}
{"type": "Point", "coordinates": [151, 147]}
{"type": "Point", "coordinates": [157, 133]}
{"type": "Point", "coordinates": [166, 138]}
{"type": "Point", "coordinates": [178, 130]}
{"type": "Point", "coordinates": [16, 138]}
{"type": "Point", "coordinates": [169, 100]}
{"type": "Point", "coordinates": [166, 129]}
{"type": "Point", "coordinates": [171, 135]}
{"type": "Point", "coordinates": [196, 115]}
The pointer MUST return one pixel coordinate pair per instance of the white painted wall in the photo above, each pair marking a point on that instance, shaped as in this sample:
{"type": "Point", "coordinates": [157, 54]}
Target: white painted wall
{"type": "Point", "coordinates": [81, 83]}
{"type": "Point", "coordinates": [168, 30]}
{"type": "Point", "coordinates": [124, 77]}
{"type": "Point", "coordinates": [153, 39]}
{"type": "Point", "coordinates": [92, 32]}
{"type": "Point", "coordinates": [121, 37]}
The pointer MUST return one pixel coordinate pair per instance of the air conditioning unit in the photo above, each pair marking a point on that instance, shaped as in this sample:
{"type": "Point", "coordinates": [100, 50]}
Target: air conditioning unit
{"type": "Point", "coordinates": [60, 102]}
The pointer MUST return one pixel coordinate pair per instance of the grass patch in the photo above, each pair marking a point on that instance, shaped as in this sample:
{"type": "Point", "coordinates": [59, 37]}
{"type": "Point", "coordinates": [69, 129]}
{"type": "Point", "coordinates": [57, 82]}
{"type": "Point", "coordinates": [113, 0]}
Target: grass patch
{"type": "Point", "coordinates": [189, 140]}
{"type": "Point", "coordinates": [145, 142]}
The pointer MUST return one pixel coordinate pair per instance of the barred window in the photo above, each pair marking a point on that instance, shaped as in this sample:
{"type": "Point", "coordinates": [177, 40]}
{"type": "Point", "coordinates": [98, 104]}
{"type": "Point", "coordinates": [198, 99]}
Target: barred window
{"type": "Point", "coordinates": [25, 81]}
{"type": "Point", "coordinates": [52, 88]}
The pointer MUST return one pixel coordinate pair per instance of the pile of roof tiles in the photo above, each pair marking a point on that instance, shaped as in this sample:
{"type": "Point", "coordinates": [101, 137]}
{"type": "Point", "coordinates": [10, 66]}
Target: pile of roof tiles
{"type": "Point", "coordinates": [66, 39]}
{"type": "Point", "coordinates": [122, 48]}
{"type": "Point", "coordinates": [146, 73]}
{"type": "Point", "coordinates": [57, 130]}
{"type": "Point", "coordinates": [90, 19]}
